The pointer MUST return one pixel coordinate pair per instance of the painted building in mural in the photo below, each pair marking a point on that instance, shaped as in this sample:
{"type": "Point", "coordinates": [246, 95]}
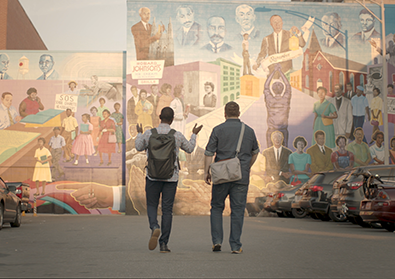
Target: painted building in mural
{"type": "Point", "coordinates": [292, 49]}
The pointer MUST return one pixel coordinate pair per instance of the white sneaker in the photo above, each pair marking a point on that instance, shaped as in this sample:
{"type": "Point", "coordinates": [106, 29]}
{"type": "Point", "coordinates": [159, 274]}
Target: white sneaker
{"type": "Point", "coordinates": [87, 161]}
{"type": "Point", "coordinates": [76, 162]}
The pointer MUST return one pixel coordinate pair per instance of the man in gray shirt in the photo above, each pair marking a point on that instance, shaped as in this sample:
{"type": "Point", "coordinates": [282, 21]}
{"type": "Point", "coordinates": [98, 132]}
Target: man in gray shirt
{"type": "Point", "coordinates": [223, 142]}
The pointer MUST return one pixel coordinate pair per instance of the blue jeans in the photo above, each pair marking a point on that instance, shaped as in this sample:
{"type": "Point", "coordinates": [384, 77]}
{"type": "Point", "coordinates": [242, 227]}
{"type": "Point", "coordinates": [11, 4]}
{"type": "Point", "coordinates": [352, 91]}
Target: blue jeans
{"type": "Point", "coordinates": [358, 123]}
{"type": "Point", "coordinates": [153, 189]}
{"type": "Point", "coordinates": [238, 197]}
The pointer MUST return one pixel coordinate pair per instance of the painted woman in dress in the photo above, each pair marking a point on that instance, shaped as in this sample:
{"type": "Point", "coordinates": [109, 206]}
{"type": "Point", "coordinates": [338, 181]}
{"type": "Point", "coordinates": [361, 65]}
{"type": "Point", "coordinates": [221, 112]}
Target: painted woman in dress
{"type": "Point", "coordinates": [101, 108]}
{"type": "Point", "coordinates": [299, 161]}
{"type": "Point", "coordinates": [376, 110]}
{"type": "Point", "coordinates": [342, 159]}
{"type": "Point", "coordinates": [144, 110]}
{"type": "Point", "coordinates": [95, 121]}
{"type": "Point", "coordinates": [42, 170]}
{"type": "Point", "coordinates": [83, 144]}
{"type": "Point", "coordinates": [107, 127]}
{"type": "Point", "coordinates": [324, 111]}
{"type": "Point", "coordinates": [118, 128]}
{"type": "Point", "coordinates": [180, 114]}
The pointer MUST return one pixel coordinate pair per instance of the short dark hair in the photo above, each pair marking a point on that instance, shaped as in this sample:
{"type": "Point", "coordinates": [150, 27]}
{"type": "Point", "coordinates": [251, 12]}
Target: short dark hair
{"type": "Point", "coordinates": [392, 139]}
{"type": "Point", "coordinates": [166, 114]}
{"type": "Point", "coordinates": [390, 85]}
{"type": "Point", "coordinates": [102, 99]}
{"type": "Point", "coordinates": [69, 109]}
{"type": "Point", "coordinates": [31, 90]}
{"type": "Point", "coordinates": [349, 83]}
{"type": "Point", "coordinates": [94, 108]}
{"type": "Point", "coordinates": [177, 90]}
{"type": "Point", "coordinates": [339, 138]}
{"type": "Point", "coordinates": [377, 89]}
{"type": "Point", "coordinates": [366, 12]}
{"type": "Point", "coordinates": [210, 84]}
{"type": "Point", "coordinates": [164, 87]}
{"type": "Point", "coordinates": [42, 139]}
{"type": "Point", "coordinates": [340, 86]}
{"type": "Point", "coordinates": [232, 109]}
{"type": "Point", "coordinates": [106, 110]}
{"type": "Point", "coordinates": [56, 128]}
{"type": "Point", "coordinates": [117, 104]}
{"type": "Point", "coordinates": [319, 132]}
{"type": "Point", "coordinates": [5, 94]}
{"type": "Point", "coordinates": [298, 139]}
{"type": "Point", "coordinates": [358, 129]}
{"type": "Point", "coordinates": [142, 91]}
{"type": "Point", "coordinates": [87, 116]}
{"type": "Point", "coordinates": [375, 134]}
{"type": "Point", "coordinates": [322, 88]}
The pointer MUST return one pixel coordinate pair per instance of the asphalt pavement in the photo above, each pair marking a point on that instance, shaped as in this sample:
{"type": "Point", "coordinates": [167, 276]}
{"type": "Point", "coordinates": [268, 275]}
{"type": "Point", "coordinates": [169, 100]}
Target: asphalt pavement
{"type": "Point", "coordinates": [89, 246]}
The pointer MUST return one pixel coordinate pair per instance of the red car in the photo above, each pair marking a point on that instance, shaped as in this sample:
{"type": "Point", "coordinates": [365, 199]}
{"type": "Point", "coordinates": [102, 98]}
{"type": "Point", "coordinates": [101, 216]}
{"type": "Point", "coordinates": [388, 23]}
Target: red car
{"type": "Point", "coordinates": [379, 205]}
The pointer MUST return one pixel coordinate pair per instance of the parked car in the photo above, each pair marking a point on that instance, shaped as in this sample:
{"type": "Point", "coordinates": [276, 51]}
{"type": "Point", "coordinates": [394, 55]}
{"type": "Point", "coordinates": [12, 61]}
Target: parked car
{"type": "Point", "coordinates": [316, 197]}
{"type": "Point", "coordinates": [282, 202]}
{"type": "Point", "coordinates": [352, 193]}
{"type": "Point", "coordinates": [10, 206]}
{"type": "Point", "coordinates": [378, 206]}
{"type": "Point", "coordinates": [22, 191]}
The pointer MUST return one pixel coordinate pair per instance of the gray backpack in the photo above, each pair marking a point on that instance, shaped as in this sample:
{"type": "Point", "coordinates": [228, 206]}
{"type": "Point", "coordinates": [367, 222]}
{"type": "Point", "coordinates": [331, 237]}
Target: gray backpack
{"type": "Point", "coordinates": [161, 154]}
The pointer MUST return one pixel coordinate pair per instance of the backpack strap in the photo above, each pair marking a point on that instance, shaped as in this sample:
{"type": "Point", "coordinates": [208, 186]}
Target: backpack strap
{"type": "Point", "coordinates": [154, 131]}
{"type": "Point", "coordinates": [171, 132]}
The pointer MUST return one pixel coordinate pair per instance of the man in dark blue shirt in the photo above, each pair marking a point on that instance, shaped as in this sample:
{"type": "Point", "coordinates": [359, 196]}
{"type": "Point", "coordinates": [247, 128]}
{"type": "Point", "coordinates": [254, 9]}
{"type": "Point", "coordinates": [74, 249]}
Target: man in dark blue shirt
{"type": "Point", "coordinates": [223, 142]}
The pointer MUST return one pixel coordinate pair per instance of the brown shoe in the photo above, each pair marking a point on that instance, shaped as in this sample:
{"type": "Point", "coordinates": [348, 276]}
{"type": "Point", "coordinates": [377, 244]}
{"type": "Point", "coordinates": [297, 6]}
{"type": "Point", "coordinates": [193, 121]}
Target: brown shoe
{"type": "Point", "coordinates": [153, 242]}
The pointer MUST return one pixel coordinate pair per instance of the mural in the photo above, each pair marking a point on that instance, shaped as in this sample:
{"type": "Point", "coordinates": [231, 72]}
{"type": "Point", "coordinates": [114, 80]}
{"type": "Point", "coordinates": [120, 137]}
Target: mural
{"type": "Point", "coordinates": [59, 111]}
{"type": "Point", "coordinates": [307, 77]}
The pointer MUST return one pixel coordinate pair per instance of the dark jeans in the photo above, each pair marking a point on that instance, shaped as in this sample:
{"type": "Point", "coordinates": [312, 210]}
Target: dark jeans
{"type": "Point", "coordinates": [358, 123]}
{"type": "Point", "coordinates": [238, 197]}
{"type": "Point", "coordinates": [153, 189]}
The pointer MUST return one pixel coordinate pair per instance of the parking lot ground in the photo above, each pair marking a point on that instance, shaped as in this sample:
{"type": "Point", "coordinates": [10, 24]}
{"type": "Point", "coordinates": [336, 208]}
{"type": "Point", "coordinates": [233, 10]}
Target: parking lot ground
{"type": "Point", "coordinates": [82, 246]}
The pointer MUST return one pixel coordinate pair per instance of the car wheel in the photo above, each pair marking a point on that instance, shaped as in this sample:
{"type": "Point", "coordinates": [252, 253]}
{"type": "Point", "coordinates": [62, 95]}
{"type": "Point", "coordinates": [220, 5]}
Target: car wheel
{"type": "Point", "coordinates": [18, 217]}
{"type": "Point", "coordinates": [314, 216]}
{"type": "Point", "coordinates": [337, 217]}
{"type": "Point", "coordinates": [299, 213]}
{"type": "Point", "coordinates": [323, 217]}
{"type": "Point", "coordinates": [352, 220]}
{"type": "Point", "coordinates": [280, 214]}
{"type": "Point", "coordinates": [388, 226]}
{"type": "Point", "coordinates": [289, 214]}
{"type": "Point", "coordinates": [360, 222]}
{"type": "Point", "coordinates": [1, 216]}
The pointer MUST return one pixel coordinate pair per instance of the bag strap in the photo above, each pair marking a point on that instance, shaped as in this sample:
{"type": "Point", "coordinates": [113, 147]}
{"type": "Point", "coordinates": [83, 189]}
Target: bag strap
{"type": "Point", "coordinates": [326, 107]}
{"type": "Point", "coordinates": [171, 132]}
{"type": "Point", "coordinates": [154, 131]}
{"type": "Point", "coordinates": [240, 138]}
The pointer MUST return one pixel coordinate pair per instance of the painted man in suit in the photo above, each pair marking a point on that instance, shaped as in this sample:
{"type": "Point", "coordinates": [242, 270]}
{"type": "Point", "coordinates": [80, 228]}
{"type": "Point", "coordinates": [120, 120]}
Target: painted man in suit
{"type": "Point", "coordinates": [245, 16]}
{"type": "Point", "coordinates": [331, 24]}
{"type": "Point", "coordinates": [349, 92]}
{"type": "Point", "coordinates": [132, 103]}
{"type": "Point", "coordinates": [368, 31]}
{"type": "Point", "coordinates": [343, 123]}
{"type": "Point", "coordinates": [154, 99]}
{"type": "Point", "coordinates": [4, 62]}
{"type": "Point", "coordinates": [46, 64]}
{"type": "Point", "coordinates": [216, 30]}
{"type": "Point", "coordinates": [277, 167]}
{"type": "Point", "coordinates": [142, 34]}
{"type": "Point", "coordinates": [278, 42]}
{"type": "Point", "coordinates": [190, 33]}
{"type": "Point", "coordinates": [320, 154]}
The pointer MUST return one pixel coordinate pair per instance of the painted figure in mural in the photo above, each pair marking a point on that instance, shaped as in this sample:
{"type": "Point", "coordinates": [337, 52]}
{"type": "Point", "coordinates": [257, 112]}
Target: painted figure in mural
{"type": "Point", "coordinates": [349, 92]}
{"type": "Point", "coordinates": [69, 131]}
{"type": "Point", "coordinates": [360, 149]}
{"type": "Point", "coordinates": [278, 42]}
{"type": "Point", "coordinates": [299, 161]}
{"type": "Point", "coordinates": [324, 112]}
{"type": "Point", "coordinates": [165, 99]}
{"type": "Point", "coordinates": [107, 127]}
{"type": "Point", "coordinates": [216, 30]}
{"type": "Point", "coordinates": [245, 16]}
{"type": "Point", "coordinates": [42, 171]}
{"type": "Point", "coordinates": [368, 31]}
{"type": "Point", "coordinates": [166, 187]}
{"type": "Point", "coordinates": [144, 110]}
{"type": "Point", "coordinates": [392, 151]}
{"type": "Point", "coordinates": [32, 104]}
{"type": "Point", "coordinates": [132, 103]}
{"type": "Point", "coordinates": [320, 154]}
{"type": "Point", "coordinates": [360, 107]}
{"type": "Point", "coordinates": [209, 99]}
{"type": "Point", "coordinates": [73, 88]}
{"type": "Point", "coordinates": [118, 117]}
{"type": "Point", "coordinates": [102, 88]}
{"type": "Point", "coordinates": [342, 159]}
{"type": "Point", "coordinates": [276, 158]}
{"type": "Point", "coordinates": [278, 98]}
{"type": "Point", "coordinates": [56, 146]}
{"type": "Point", "coordinates": [368, 89]}
{"type": "Point", "coordinates": [331, 25]}
{"type": "Point", "coordinates": [343, 123]}
{"type": "Point", "coordinates": [180, 112]}
{"type": "Point", "coordinates": [390, 49]}
{"type": "Point", "coordinates": [101, 108]}
{"type": "Point", "coordinates": [153, 98]}
{"type": "Point", "coordinates": [46, 64]}
{"type": "Point", "coordinates": [190, 33]}
{"type": "Point", "coordinates": [194, 164]}
{"type": "Point", "coordinates": [95, 121]}
{"type": "Point", "coordinates": [142, 34]}
{"type": "Point", "coordinates": [246, 56]}
{"type": "Point", "coordinates": [377, 149]}
{"type": "Point", "coordinates": [376, 110]}
{"type": "Point", "coordinates": [391, 93]}
{"type": "Point", "coordinates": [4, 62]}
{"type": "Point", "coordinates": [222, 143]}
{"type": "Point", "coordinates": [8, 114]}
{"type": "Point", "coordinates": [83, 144]}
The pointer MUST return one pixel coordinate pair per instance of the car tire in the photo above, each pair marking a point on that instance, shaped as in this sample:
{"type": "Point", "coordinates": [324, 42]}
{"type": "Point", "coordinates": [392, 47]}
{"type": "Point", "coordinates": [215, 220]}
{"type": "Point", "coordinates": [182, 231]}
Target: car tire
{"type": "Point", "coordinates": [314, 216]}
{"type": "Point", "coordinates": [1, 216]}
{"type": "Point", "coordinates": [336, 217]}
{"type": "Point", "coordinates": [323, 217]}
{"type": "Point", "coordinates": [18, 217]}
{"type": "Point", "coordinates": [299, 213]}
{"type": "Point", "coordinates": [360, 222]}
{"type": "Point", "coordinates": [280, 214]}
{"type": "Point", "coordinates": [289, 214]}
{"type": "Point", "coordinates": [388, 226]}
